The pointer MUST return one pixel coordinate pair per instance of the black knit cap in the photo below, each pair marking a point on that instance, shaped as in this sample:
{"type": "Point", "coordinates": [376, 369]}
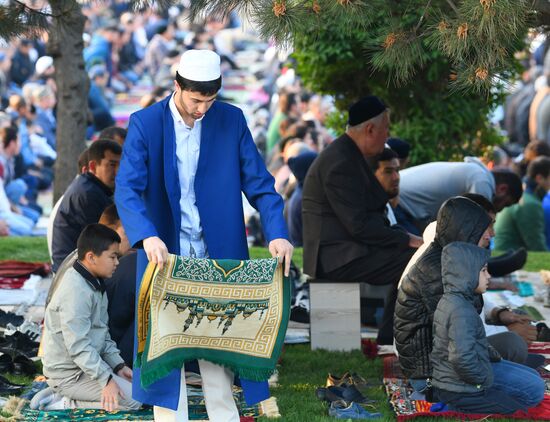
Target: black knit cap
{"type": "Point", "coordinates": [401, 147]}
{"type": "Point", "coordinates": [365, 109]}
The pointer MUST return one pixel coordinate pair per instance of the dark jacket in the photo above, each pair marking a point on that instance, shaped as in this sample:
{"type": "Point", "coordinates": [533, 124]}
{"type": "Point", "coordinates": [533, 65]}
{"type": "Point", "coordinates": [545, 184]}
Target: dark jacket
{"type": "Point", "coordinates": [343, 210]}
{"type": "Point", "coordinates": [460, 355]}
{"type": "Point", "coordinates": [83, 203]}
{"type": "Point", "coordinates": [459, 219]}
{"type": "Point", "coordinates": [121, 291]}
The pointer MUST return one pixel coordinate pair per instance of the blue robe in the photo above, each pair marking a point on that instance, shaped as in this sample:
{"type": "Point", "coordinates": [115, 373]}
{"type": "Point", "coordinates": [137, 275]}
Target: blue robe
{"type": "Point", "coordinates": [147, 196]}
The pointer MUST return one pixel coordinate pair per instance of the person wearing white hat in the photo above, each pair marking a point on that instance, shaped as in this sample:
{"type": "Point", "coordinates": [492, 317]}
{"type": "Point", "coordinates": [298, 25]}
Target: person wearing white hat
{"type": "Point", "coordinates": [186, 162]}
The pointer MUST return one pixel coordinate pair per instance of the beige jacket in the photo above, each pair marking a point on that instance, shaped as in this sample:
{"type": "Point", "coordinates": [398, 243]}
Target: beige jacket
{"type": "Point", "coordinates": [76, 335]}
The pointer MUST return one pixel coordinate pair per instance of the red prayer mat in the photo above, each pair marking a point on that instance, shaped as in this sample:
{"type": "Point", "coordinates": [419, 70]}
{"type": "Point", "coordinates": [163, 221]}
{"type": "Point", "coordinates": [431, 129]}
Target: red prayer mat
{"type": "Point", "coordinates": [12, 282]}
{"type": "Point", "coordinates": [22, 269]}
{"type": "Point", "coordinates": [399, 391]}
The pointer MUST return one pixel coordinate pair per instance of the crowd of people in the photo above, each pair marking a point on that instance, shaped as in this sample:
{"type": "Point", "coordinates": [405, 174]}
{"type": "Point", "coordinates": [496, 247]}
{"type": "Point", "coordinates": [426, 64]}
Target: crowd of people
{"type": "Point", "coordinates": [351, 200]}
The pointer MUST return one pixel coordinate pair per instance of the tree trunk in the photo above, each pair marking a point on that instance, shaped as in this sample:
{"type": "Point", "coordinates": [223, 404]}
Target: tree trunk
{"type": "Point", "coordinates": [66, 47]}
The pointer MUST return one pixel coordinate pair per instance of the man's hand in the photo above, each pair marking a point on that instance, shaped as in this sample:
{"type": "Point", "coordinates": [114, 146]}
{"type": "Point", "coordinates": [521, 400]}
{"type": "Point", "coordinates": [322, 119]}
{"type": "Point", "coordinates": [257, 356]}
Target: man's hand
{"type": "Point", "coordinates": [526, 331]}
{"type": "Point", "coordinates": [125, 373]}
{"type": "Point", "coordinates": [509, 317]}
{"type": "Point", "coordinates": [283, 249]}
{"type": "Point", "coordinates": [156, 251]}
{"type": "Point", "coordinates": [415, 241]}
{"type": "Point", "coordinates": [109, 396]}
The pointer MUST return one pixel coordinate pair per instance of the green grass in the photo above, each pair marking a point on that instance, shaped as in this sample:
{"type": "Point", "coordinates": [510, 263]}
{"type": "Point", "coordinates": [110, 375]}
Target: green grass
{"type": "Point", "coordinates": [30, 249]}
{"type": "Point", "coordinates": [302, 370]}
{"type": "Point", "coordinates": [537, 261]}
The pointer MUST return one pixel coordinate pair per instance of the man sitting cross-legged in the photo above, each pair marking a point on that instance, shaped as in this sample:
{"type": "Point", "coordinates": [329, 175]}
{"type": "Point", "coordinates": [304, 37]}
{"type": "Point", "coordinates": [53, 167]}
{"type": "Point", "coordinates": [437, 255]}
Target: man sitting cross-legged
{"type": "Point", "coordinates": [82, 364]}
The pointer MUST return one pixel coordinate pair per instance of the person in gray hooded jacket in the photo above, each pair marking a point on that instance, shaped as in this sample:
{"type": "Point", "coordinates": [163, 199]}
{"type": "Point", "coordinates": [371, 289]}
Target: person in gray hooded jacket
{"type": "Point", "coordinates": [468, 373]}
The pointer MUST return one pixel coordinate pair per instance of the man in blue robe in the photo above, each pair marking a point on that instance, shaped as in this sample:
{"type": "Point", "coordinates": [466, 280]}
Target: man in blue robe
{"type": "Point", "coordinates": [185, 164]}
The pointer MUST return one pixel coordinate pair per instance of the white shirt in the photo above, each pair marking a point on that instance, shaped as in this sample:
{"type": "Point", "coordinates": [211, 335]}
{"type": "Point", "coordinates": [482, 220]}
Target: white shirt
{"type": "Point", "coordinates": [188, 140]}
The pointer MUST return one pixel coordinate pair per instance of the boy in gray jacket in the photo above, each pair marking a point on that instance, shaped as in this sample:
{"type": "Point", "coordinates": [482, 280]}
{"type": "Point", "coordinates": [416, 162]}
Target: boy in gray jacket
{"type": "Point", "coordinates": [81, 363]}
{"type": "Point", "coordinates": [468, 374]}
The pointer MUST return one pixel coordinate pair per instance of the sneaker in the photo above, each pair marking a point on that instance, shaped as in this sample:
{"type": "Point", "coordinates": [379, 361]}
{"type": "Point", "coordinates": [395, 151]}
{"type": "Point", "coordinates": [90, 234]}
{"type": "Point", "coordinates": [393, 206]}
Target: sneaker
{"type": "Point", "coordinates": [341, 409]}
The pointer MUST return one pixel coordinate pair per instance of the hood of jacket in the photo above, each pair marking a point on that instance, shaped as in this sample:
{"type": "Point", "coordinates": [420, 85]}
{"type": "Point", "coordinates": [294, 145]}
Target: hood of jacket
{"type": "Point", "coordinates": [460, 220]}
{"type": "Point", "coordinates": [460, 266]}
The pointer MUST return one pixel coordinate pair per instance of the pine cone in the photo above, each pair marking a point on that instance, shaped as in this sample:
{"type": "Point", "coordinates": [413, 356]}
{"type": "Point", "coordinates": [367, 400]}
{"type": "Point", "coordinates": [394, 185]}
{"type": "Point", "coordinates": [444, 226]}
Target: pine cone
{"type": "Point", "coordinates": [462, 31]}
{"type": "Point", "coordinates": [279, 8]}
{"type": "Point", "coordinates": [316, 8]}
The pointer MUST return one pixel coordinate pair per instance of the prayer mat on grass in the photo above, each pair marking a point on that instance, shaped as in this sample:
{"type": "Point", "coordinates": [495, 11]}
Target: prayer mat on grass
{"type": "Point", "coordinates": [232, 313]}
{"type": "Point", "coordinates": [399, 395]}
{"type": "Point", "coordinates": [195, 402]}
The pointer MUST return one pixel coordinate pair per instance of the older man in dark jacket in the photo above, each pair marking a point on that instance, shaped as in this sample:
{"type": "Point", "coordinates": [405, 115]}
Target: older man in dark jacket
{"type": "Point", "coordinates": [459, 219]}
{"type": "Point", "coordinates": [347, 236]}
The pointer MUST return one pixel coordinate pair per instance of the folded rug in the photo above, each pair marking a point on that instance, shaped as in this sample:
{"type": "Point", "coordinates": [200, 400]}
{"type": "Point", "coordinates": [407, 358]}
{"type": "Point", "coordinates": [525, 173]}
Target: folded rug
{"type": "Point", "coordinates": [233, 313]}
{"type": "Point", "coordinates": [21, 269]}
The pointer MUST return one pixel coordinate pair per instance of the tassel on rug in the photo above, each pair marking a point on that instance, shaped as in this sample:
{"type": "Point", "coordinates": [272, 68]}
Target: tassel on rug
{"type": "Point", "coordinates": [13, 406]}
{"type": "Point", "coordinates": [269, 408]}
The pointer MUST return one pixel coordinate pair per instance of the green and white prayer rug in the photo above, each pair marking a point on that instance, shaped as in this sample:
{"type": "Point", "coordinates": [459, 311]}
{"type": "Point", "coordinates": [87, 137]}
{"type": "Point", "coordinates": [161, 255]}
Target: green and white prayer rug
{"type": "Point", "coordinates": [233, 313]}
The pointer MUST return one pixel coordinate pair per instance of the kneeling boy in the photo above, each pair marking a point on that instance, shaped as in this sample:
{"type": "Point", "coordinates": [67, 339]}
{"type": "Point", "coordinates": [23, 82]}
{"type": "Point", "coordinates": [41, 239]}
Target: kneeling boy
{"type": "Point", "coordinates": [81, 362]}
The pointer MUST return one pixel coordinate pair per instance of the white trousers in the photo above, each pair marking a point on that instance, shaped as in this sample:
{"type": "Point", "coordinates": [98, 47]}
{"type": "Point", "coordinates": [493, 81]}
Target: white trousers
{"type": "Point", "coordinates": [217, 383]}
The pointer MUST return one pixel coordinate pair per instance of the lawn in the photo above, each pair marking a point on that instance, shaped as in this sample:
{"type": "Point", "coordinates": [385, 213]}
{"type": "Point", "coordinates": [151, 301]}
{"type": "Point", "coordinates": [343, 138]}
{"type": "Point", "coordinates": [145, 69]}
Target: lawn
{"type": "Point", "coordinates": [301, 370]}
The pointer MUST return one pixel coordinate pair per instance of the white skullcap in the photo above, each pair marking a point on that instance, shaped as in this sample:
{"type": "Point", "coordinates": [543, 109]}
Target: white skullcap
{"type": "Point", "coordinates": [42, 64]}
{"type": "Point", "coordinates": [199, 65]}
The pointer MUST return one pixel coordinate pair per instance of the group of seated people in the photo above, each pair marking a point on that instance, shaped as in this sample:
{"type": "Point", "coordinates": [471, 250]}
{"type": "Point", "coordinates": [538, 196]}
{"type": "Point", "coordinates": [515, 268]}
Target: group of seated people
{"type": "Point", "coordinates": [432, 308]}
{"type": "Point", "coordinates": [362, 223]}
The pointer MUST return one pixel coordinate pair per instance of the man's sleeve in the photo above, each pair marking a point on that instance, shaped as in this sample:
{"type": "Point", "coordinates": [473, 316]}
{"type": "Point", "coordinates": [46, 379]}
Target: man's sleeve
{"type": "Point", "coordinates": [259, 187]}
{"type": "Point", "coordinates": [111, 353]}
{"type": "Point", "coordinates": [348, 200]}
{"type": "Point", "coordinates": [131, 182]}
{"type": "Point", "coordinates": [75, 317]}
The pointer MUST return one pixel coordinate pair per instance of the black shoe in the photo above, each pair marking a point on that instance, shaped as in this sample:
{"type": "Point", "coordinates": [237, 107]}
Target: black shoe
{"type": "Point", "coordinates": [534, 360]}
{"type": "Point", "coordinates": [19, 343]}
{"type": "Point", "coordinates": [350, 394]}
{"type": "Point", "coordinates": [22, 365]}
{"type": "Point", "coordinates": [507, 263]}
{"type": "Point", "coordinates": [6, 364]}
{"type": "Point", "coordinates": [299, 314]}
{"type": "Point", "coordinates": [10, 318]}
{"type": "Point", "coordinates": [7, 387]}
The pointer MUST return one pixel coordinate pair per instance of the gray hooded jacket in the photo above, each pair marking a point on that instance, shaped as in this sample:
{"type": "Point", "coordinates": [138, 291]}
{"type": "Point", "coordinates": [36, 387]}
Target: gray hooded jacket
{"type": "Point", "coordinates": [460, 355]}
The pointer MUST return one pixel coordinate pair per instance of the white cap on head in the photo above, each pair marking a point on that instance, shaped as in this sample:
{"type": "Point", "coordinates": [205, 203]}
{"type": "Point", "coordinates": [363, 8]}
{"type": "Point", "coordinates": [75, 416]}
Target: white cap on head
{"type": "Point", "coordinates": [42, 64]}
{"type": "Point", "coordinates": [199, 65]}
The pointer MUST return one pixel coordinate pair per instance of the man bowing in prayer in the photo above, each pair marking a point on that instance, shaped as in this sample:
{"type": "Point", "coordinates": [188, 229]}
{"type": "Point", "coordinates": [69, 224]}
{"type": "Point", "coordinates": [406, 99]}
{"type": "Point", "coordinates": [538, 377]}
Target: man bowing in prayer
{"type": "Point", "coordinates": [185, 164]}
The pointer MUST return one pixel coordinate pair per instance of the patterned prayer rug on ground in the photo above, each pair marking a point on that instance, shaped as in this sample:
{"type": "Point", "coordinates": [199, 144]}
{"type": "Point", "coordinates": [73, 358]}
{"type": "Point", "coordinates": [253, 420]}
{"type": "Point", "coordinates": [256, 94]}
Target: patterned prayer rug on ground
{"type": "Point", "coordinates": [195, 401]}
{"type": "Point", "coordinates": [233, 313]}
{"type": "Point", "coordinates": [399, 394]}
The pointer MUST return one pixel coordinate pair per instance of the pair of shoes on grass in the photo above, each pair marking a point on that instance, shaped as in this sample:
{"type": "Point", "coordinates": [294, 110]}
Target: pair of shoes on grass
{"type": "Point", "coordinates": [344, 397]}
{"type": "Point", "coordinates": [342, 409]}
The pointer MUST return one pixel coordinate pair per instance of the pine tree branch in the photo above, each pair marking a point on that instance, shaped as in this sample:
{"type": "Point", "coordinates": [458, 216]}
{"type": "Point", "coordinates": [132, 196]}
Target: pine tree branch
{"type": "Point", "coordinates": [423, 15]}
{"type": "Point", "coordinates": [28, 9]}
{"type": "Point", "coordinates": [453, 6]}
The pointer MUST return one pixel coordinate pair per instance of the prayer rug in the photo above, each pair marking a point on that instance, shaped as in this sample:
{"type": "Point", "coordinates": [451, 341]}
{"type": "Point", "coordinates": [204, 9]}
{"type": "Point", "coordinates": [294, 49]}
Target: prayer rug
{"type": "Point", "coordinates": [12, 282]}
{"type": "Point", "coordinates": [20, 269]}
{"type": "Point", "coordinates": [196, 406]}
{"type": "Point", "coordinates": [233, 313]}
{"type": "Point", "coordinates": [399, 394]}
